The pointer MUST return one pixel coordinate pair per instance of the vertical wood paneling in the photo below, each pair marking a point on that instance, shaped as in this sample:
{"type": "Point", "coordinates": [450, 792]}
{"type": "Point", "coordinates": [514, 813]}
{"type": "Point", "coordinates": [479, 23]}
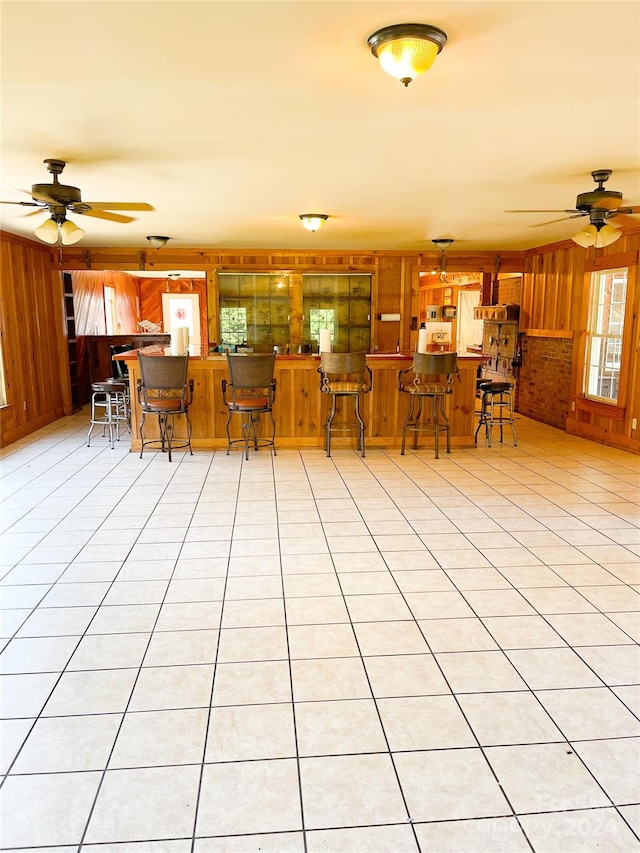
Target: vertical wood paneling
{"type": "Point", "coordinates": [33, 345]}
{"type": "Point", "coordinates": [151, 290]}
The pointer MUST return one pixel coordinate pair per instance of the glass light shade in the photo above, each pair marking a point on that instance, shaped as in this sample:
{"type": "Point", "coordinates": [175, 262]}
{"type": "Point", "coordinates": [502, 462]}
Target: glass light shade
{"type": "Point", "coordinates": [313, 221]}
{"type": "Point", "coordinates": [586, 237]}
{"type": "Point", "coordinates": [607, 235]}
{"type": "Point", "coordinates": [70, 233]}
{"type": "Point", "coordinates": [406, 58]}
{"type": "Point", "coordinates": [47, 232]}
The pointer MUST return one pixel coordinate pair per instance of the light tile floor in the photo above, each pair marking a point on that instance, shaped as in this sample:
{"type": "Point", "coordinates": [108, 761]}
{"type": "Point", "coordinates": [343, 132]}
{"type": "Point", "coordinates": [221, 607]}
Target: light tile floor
{"type": "Point", "coordinates": [307, 654]}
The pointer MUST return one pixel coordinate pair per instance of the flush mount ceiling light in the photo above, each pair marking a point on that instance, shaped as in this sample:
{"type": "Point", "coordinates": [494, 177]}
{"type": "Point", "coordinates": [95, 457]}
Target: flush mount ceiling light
{"type": "Point", "coordinates": [407, 50]}
{"type": "Point", "coordinates": [173, 275]}
{"type": "Point", "coordinates": [442, 244]}
{"type": "Point", "coordinates": [313, 221]}
{"type": "Point", "coordinates": [59, 229]}
{"type": "Point", "coordinates": [158, 242]}
{"type": "Point", "coordinates": [598, 234]}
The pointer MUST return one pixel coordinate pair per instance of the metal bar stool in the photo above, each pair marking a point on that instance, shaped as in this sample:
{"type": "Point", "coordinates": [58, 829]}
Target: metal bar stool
{"type": "Point", "coordinates": [423, 387]}
{"type": "Point", "coordinates": [250, 392]}
{"type": "Point", "coordinates": [344, 374]}
{"type": "Point", "coordinates": [109, 409]}
{"type": "Point", "coordinates": [496, 409]}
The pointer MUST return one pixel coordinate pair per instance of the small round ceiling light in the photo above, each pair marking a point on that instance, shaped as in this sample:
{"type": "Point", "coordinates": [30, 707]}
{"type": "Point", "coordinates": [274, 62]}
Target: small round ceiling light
{"type": "Point", "coordinates": [407, 50]}
{"type": "Point", "coordinates": [313, 221]}
{"type": "Point", "coordinates": [158, 242]}
{"type": "Point", "coordinates": [443, 243]}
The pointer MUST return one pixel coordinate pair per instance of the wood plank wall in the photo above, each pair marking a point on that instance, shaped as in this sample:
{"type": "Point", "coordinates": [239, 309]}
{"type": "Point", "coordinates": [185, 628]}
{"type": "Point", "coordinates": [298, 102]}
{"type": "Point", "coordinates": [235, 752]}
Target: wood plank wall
{"type": "Point", "coordinates": [553, 305]}
{"type": "Point", "coordinates": [151, 290]}
{"type": "Point", "coordinates": [34, 357]}
{"type": "Point", "coordinates": [555, 296]}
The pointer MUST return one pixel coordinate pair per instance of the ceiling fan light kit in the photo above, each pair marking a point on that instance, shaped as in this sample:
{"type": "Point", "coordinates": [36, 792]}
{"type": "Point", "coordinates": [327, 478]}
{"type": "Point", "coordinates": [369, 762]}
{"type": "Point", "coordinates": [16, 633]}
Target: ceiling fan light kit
{"type": "Point", "coordinates": [313, 221]}
{"type": "Point", "coordinates": [57, 228]}
{"type": "Point", "coordinates": [407, 50]}
{"type": "Point", "coordinates": [158, 242]}
{"type": "Point", "coordinates": [597, 234]}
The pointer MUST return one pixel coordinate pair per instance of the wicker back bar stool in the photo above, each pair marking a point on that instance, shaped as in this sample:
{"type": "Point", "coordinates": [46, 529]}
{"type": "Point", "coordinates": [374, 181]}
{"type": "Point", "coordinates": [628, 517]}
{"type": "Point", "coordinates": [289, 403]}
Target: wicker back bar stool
{"type": "Point", "coordinates": [250, 391]}
{"type": "Point", "coordinates": [418, 381]}
{"type": "Point", "coordinates": [165, 392]}
{"type": "Point", "coordinates": [344, 375]}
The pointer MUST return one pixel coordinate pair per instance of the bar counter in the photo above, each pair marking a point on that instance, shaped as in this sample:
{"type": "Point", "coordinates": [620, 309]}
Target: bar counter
{"type": "Point", "coordinates": [301, 409]}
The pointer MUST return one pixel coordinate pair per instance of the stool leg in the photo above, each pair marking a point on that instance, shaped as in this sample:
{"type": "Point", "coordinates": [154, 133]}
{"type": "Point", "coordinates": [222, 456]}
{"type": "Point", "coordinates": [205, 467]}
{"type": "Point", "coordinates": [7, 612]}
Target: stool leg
{"type": "Point", "coordinates": [356, 405]}
{"type": "Point", "coordinates": [436, 424]}
{"type": "Point", "coordinates": [228, 432]}
{"type": "Point", "coordinates": [446, 422]}
{"type": "Point", "coordinates": [328, 423]}
{"type": "Point", "coordinates": [273, 433]}
{"type": "Point", "coordinates": [406, 422]}
{"type": "Point", "coordinates": [141, 435]}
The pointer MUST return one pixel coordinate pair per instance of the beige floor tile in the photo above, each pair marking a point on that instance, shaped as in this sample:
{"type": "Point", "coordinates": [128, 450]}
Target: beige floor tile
{"type": "Point", "coordinates": [320, 641]}
{"type": "Point", "coordinates": [316, 610]}
{"type": "Point", "coordinates": [544, 777]}
{"type": "Point", "coordinates": [485, 579]}
{"type": "Point", "coordinates": [251, 732]}
{"type": "Point", "coordinates": [549, 669]}
{"type": "Point", "coordinates": [25, 695]}
{"type": "Point", "coordinates": [338, 727]}
{"type": "Point", "coordinates": [423, 580]}
{"type": "Point", "coordinates": [182, 616]}
{"type": "Point", "coordinates": [382, 839]}
{"type": "Point", "coordinates": [410, 561]}
{"type": "Point", "coordinates": [581, 831]}
{"type": "Point", "coordinates": [449, 784]}
{"type": "Point", "coordinates": [479, 672]}
{"type": "Point", "coordinates": [147, 803]}
{"type": "Point", "coordinates": [329, 678]}
{"type": "Point", "coordinates": [247, 644]}
{"type": "Point", "coordinates": [508, 718]}
{"type": "Point", "coordinates": [588, 713]}
{"type": "Point", "coordinates": [252, 683]}
{"type": "Point", "coordinates": [587, 629]}
{"type": "Point", "coordinates": [457, 635]}
{"type": "Point", "coordinates": [150, 738]}
{"type": "Point", "coordinates": [390, 638]}
{"type": "Point", "coordinates": [614, 763]}
{"type": "Point", "coordinates": [59, 744]}
{"type": "Point", "coordinates": [350, 790]}
{"type": "Point", "coordinates": [46, 809]}
{"type": "Point", "coordinates": [13, 734]}
{"type": "Point", "coordinates": [317, 564]}
{"type": "Point", "coordinates": [99, 691]}
{"type": "Point", "coordinates": [51, 622]}
{"type": "Point", "coordinates": [462, 558]}
{"type": "Point", "coordinates": [499, 835]}
{"type": "Point", "coordinates": [166, 687]}
{"type": "Point", "coordinates": [173, 648]}
{"type": "Point", "coordinates": [525, 577]}
{"type": "Point", "coordinates": [615, 665]}
{"type": "Point", "coordinates": [522, 632]}
{"type": "Point", "coordinates": [253, 613]}
{"type": "Point", "coordinates": [249, 796]}
{"type": "Point", "coordinates": [296, 586]}
{"type": "Point", "coordinates": [438, 605]}
{"type": "Point", "coordinates": [371, 608]}
{"type": "Point", "coordinates": [498, 602]}
{"type": "Point", "coordinates": [268, 586]}
{"type": "Point", "coordinates": [405, 675]}
{"type": "Point", "coordinates": [611, 598]}
{"type": "Point", "coordinates": [195, 589]}
{"type": "Point", "coordinates": [632, 816]}
{"type": "Point", "coordinates": [366, 583]}
{"type": "Point", "coordinates": [424, 722]}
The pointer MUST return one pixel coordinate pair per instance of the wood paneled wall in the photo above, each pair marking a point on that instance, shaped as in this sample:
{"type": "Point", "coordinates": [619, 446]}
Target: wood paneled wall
{"type": "Point", "coordinates": [88, 297]}
{"type": "Point", "coordinates": [151, 290]}
{"type": "Point", "coordinates": [555, 297]}
{"type": "Point", "coordinates": [34, 354]}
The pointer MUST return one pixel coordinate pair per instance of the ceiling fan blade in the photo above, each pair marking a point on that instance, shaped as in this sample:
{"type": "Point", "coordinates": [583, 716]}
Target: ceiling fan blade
{"type": "Point", "coordinates": [103, 214]}
{"type": "Point", "coordinates": [23, 203]}
{"type": "Point", "coordinates": [119, 205]}
{"type": "Point", "coordinates": [542, 211]}
{"type": "Point", "coordinates": [553, 221]}
{"type": "Point", "coordinates": [623, 219]}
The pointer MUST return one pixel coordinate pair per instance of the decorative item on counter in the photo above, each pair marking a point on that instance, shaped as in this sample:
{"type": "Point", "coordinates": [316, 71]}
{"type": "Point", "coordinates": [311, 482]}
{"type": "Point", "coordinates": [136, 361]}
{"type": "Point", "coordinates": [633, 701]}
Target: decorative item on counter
{"type": "Point", "coordinates": [179, 340]}
{"type": "Point", "coordinates": [388, 318]}
{"type": "Point", "coordinates": [422, 338]}
{"type": "Point", "coordinates": [325, 340]}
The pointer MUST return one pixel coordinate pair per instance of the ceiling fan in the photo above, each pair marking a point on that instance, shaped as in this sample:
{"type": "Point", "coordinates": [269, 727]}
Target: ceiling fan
{"type": "Point", "coordinates": [599, 205]}
{"type": "Point", "coordinates": [58, 198]}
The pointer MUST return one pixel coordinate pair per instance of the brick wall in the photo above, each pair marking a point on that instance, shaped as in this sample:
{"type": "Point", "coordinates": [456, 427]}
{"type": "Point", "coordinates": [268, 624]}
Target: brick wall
{"type": "Point", "coordinates": [544, 380]}
{"type": "Point", "coordinates": [509, 291]}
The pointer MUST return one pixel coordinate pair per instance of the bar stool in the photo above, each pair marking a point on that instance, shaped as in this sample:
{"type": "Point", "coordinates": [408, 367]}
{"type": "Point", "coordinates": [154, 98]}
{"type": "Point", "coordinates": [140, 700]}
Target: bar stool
{"type": "Point", "coordinates": [109, 409]}
{"type": "Point", "coordinates": [250, 392]}
{"type": "Point", "coordinates": [344, 374]}
{"type": "Point", "coordinates": [422, 388]}
{"type": "Point", "coordinates": [496, 409]}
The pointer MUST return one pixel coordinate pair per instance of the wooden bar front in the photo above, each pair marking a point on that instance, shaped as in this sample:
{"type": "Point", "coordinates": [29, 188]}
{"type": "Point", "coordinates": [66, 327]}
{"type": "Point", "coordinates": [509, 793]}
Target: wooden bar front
{"type": "Point", "coordinates": [301, 408]}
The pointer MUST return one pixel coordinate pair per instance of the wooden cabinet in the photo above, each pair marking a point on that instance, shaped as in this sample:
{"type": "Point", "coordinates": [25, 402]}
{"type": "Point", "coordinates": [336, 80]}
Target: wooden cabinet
{"type": "Point", "coordinates": [98, 349]}
{"type": "Point", "coordinates": [72, 342]}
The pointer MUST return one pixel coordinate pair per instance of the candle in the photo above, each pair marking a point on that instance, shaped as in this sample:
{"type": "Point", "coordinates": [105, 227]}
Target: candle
{"type": "Point", "coordinates": [179, 340]}
{"type": "Point", "coordinates": [422, 340]}
{"type": "Point", "coordinates": [325, 340]}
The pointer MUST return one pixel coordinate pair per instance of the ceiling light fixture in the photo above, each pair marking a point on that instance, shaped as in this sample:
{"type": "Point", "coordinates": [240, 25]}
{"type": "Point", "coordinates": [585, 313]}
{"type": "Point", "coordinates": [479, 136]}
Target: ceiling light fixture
{"type": "Point", "coordinates": [598, 234]}
{"type": "Point", "coordinates": [442, 243]}
{"type": "Point", "coordinates": [158, 242]}
{"type": "Point", "coordinates": [173, 276]}
{"type": "Point", "coordinates": [313, 221]}
{"type": "Point", "coordinates": [407, 50]}
{"type": "Point", "coordinates": [59, 229]}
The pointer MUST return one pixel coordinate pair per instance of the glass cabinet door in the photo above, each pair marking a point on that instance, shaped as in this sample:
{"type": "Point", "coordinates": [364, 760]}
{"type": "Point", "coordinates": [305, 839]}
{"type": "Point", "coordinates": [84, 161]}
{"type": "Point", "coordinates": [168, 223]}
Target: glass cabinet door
{"type": "Point", "coordinates": [254, 310]}
{"type": "Point", "coordinates": [341, 303]}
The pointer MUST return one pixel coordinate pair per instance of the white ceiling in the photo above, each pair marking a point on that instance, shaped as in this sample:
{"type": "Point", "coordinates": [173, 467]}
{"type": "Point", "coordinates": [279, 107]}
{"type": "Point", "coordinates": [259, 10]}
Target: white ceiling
{"type": "Point", "coordinates": [232, 118]}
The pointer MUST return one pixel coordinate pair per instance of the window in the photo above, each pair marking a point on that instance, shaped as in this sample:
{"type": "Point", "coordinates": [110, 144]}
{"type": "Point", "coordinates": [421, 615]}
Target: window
{"type": "Point", "coordinates": [604, 341]}
{"type": "Point", "coordinates": [321, 318]}
{"type": "Point", "coordinates": [110, 309]}
{"type": "Point", "coordinates": [233, 326]}
{"type": "Point", "coordinates": [254, 309]}
{"type": "Point", "coordinates": [341, 303]}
